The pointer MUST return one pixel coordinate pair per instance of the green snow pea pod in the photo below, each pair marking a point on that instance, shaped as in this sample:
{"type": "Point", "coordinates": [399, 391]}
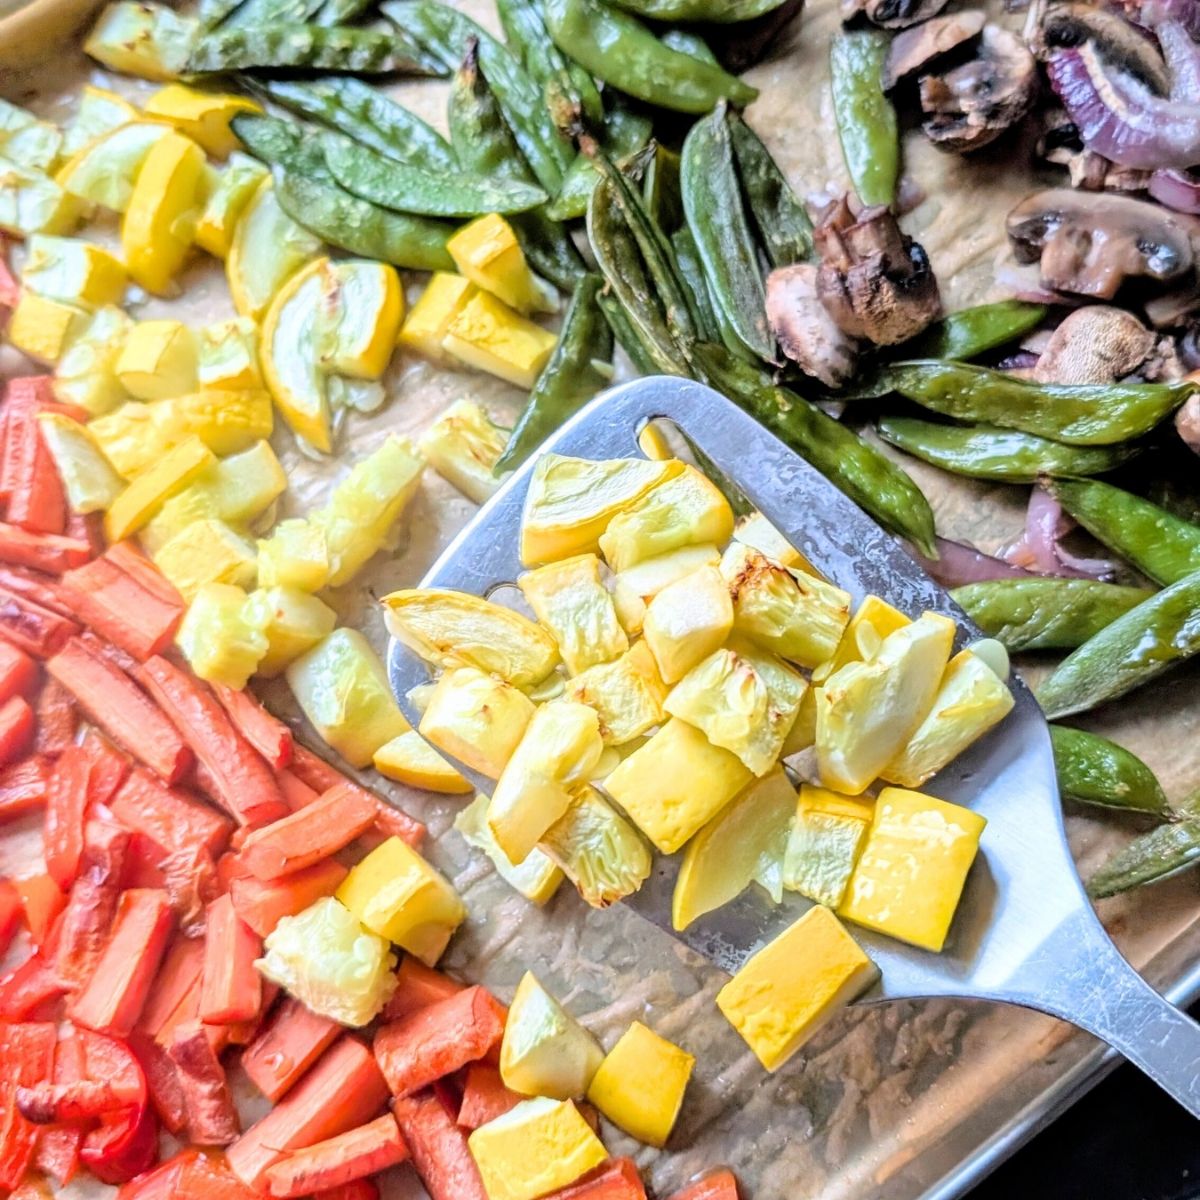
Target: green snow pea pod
{"type": "Point", "coordinates": [866, 120]}
{"type": "Point", "coordinates": [989, 452]}
{"type": "Point", "coordinates": [1046, 614]}
{"type": "Point", "coordinates": [275, 141]}
{"type": "Point", "coordinates": [623, 52]}
{"type": "Point", "coordinates": [626, 336]}
{"type": "Point", "coordinates": [1135, 648]}
{"type": "Point", "coordinates": [779, 215]}
{"type": "Point", "coordinates": [365, 51]}
{"type": "Point", "coordinates": [661, 189]}
{"type": "Point", "coordinates": [210, 13]}
{"type": "Point", "coordinates": [341, 12]}
{"type": "Point", "coordinates": [624, 134]}
{"type": "Point", "coordinates": [1160, 545]}
{"type": "Point", "coordinates": [1079, 414]}
{"type": "Point", "coordinates": [709, 11]}
{"type": "Point", "coordinates": [1155, 855]}
{"type": "Point", "coordinates": [691, 44]}
{"type": "Point", "coordinates": [692, 270]}
{"type": "Point", "coordinates": [272, 12]}
{"type": "Point", "coordinates": [1093, 770]}
{"type": "Point", "coordinates": [571, 377]}
{"type": "Point", "coordinates": [712, 200]}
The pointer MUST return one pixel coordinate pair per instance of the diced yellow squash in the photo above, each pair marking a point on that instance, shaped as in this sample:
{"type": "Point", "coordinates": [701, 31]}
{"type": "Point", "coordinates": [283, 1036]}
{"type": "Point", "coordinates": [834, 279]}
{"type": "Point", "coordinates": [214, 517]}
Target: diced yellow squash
{"type": "Point", "coordinates": [361, 309]}
{"type": "Point", "coordinates": [568, 598]}
{"type": "Point", "coordinates": [207, 551]}
{"type": "Point", "coordinates": [640, 1084]}
{"type": "Point", "coordinates": [218, 636]}
{"type": "Point", "coordinates": [798, 616]}
{"type": "Point", "coordinates": [135, 436]}
{"type": "Point", "coordinates": [228, 197]}
{"type": "Point", "coordinates": [868, 711]}
{"type": "Point", "coordinates": [462, 446]}
{"type": "Point", "coordinates": [99, 111]}
{"type": "Point", "coordinates": [105, 170]}
{"type": "Point", "coordinates": [343, 689]}
{"type": "Point", "coordinates": [687, 621]}
{"type": "Point", "coordinates": [294, 555]}
{"type": "Point", "coordinates": [756, 531]}
{"type": "Point", "coordinates": [73, 270]}
{"type": "Point", "coordinates": [634, 589]}
{"type": "Point", "coordinates": [477, 718]}
{"type": "Point", "coordinates": [148, 40]}
{"type": "Point", "coordinates": [541, 1146]}
{"type": "Point", "coordinates": [488, 254]}
{"type": "Point", "coordinates": [911, 872]}
{"type": "Point", "coordinates": [687, 510]}
{"type": "Point", "coordinates": [227, 356]}
{"type": "Point", "coordinates": [488, 335]}
{"type": "Point", "coordinates": [45, 329]}
{"type": "Point", "coordinates": [203, 116]}
{"type": "Point", "coordinates": [410, 759]}
{"type": "Point", "coordinates": [148, 490]}
{"type": "Point", "coordinates": [396, 894]}
{"type": "Point", "coordinates": [450, 629]}
{"type": "Point", "coordinates": [654, 444]}
{"type": "Point", "coordinates": [87, 476]}
{"type": "Point", "coordinates": [293, 622]}
{"type": "Point", "coordinates": [86, 374]}
{"type": "Point", "coordinates": [672, 786]}
{"type": "Point", "coordinates": [826, 839]}
{"type": "Point", "coordinates": [627, 694]}
{"type": "Point", "coordinates": [545, 1051]}
{"type": "Point", "coordinates": [795, 985]}
{"type": "Point", "coordinates": [27, 141]}
{"type": "Point", "coordinates": [158, 360]}
{"type": "Point", "coordinates": [537, 878]}
{"type": "Point", "coordinates": [226, 422]}
{"type": "Point", "coordinates": [428, 320]}
{"type": "Point", "coordinates": [31, 202]}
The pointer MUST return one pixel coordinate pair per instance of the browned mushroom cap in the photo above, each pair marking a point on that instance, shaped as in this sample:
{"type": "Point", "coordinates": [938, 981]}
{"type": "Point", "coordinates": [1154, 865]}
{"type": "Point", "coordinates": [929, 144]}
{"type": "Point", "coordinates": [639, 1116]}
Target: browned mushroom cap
{"type": "Point", "coordinates": [806, 333]}
{"type": "Point", "coordinates": [920, 45]}
{"type": "Point", "coordinates": [1187, 422]}
{"type": "Point", "coordinates": [973, 104]}
{"type": "Point", "coordinates": [1088, 244]}
{"type": "Point", "coordinates": [1094, 344]}
{"type": "Point", "coordinates": [1118, 41]}
{"type": "Point", "coordinates": [876, 283]}
{"type": "Point", "coordinates": [893, 14]}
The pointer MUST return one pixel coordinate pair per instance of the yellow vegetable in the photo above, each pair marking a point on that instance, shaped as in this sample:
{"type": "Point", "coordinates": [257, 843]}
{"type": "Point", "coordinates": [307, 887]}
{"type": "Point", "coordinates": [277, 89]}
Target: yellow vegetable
{"type": "Point", "coordinates": [158, 360]}
{"type": "Point", "coordinates": [228, 356]}
{"type": "Point", "coordinates": [635, 588]}
{"type": "Point", "coordinates": [488, 254]}
{"type": "Point", "coordinates": [826, 839]}
{"type": "Point", "coordinates": [105, 170]}
{"type": "Point", "coordinates": [654, 443]}
{"type": "Point", "coordinates": [545, 1051]}
{"type": "Point", "coordinates": [793, 986]}
{"type": "Point", "coordinates": [218, 638]}
{"type": "Point", "coordinates": [228, 197]}
{"type": "Point", "coordinates": [361, 308]}
{"type": "Point", "coordinates": [267, 249]}
{"type": "Point", "coordinates": [687, 621]}
{"type": "Point", "coordinates": [207, 551]}
{"type": "Point", "coordinates": [31, 202]}
{"type": "Point", "coordinates": [86, 374]}
{"type": "Point", "coordinates": [27, 141]}
{"type": "Point", "coordinates": [462, 446]}
{"type": "Point", "coordinates": [911, 872]}
{"type": "Point", "coordinates": [537, 878]}
{"type": "Point", "coordinates": [72, 270]}
{"type": "Point", "coordinates": [147, 492]}
{"type": "Point", "coordinates": [395, 893]}
{"type": "Point", "coordinates": [477, 718]}
{"type": "Point", "coordinates": [489, 336]}
{"type": "Point", "coordinates": [676, 783]}
{"type": "Point", "coordinates": [99, 112]}
{"type": "Point", "coordinates": [343, 689]}
{"type": "Point", "coordinates": [203, 116]}
{"type": "Point", "coordinates": [627, 694]}
{"type": "Point", "coordinates": [294, 556]}
{"type": "Point", "coordinates": [538, 1147]}
{"type": "Point", "coordinates": [87, 476]}
{"type": "Point", "coordinates": [292, 621]}
{"type": "Point", "coordinates": [148, 40]}
{"type": "Point", "coordinates": [410, 759]}
{"type": "Point", "coordinates": [428, 321]}
{"type": "Point", "coordinates": [135, 436]}
{"type": "Point", "coordinates": [640, 1084]}
{"type": "Point", "coordinates": [226, 422]}
{"type": "Point", "coordinates": [45, 329]}
{"type": "Point", "coordinates": [755, 531]}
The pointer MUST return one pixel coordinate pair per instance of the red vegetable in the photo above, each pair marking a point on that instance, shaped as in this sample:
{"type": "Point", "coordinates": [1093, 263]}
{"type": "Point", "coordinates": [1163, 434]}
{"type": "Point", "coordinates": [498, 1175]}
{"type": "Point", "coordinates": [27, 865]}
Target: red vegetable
{"type": "Point", "coordinates": [617, 1179]}
{"type": "Point", "coordinates": [57, 1151]}
{"type": "Point", "coordinates": [31, 481]}
{"type": "Point", "coordinates": [484, 1097]}
{"type": "Point", "coordinates": [42, 899]}
{"type": "Point", "coordinates": [209, 1177]}
{"type": "Point", "coordinates": [231, 988]}
{"type": "Point", "coordinates": [339, 1160]}
{"type": "Point", "coordinates": [18, 672]}
{"type": "Point", "coordinates": [360, 1189]}
{"type": "Point", "coordinates": [118, 607]}
{"type": "Point", "coordinates": [296, 793]}
{"type": "Point", "coordinates": [66, 806]}
{"type": "Point", "coordinates": [313, 770]}
{"type": "Point", "coordinates": [49, 1103]}
{"type": "Point", "coordinates": [35, 586]}
{"type": "Point", "coordinates": [16, 728]}
{"type": "Point", "coordinates": [267, 734]}
{"type": "Point", "coordinates": [170, 817]}
{"type": "Point", "coordinates": [393, 822]}
{"type": "Point", "coordinates": [287, 1047]}
{"type": "Point", "coordinates": [162, 1183]}
{"type": "Point", "coordinates": [92, 901]}
{"type": "Point", "coordinates": [418, 986]}
{"type": "Point", "coordinates": [56, 719]}
{"type": "Point", "coordinates": [108, 767]}
{"type": "Point", "coordinates": [438, 1149]}
{"type": "Point", "coordinates": [162, 1081]}
{"type": "Point", "coordinates": [178, 975]}
{"type": "Point", "coordinates": [10, 290]}
{"type": "Point", "coordinates": [87, 528]}
{"type": "Point", "coordinates": [719, 1185]}
{"type": "Point", "coordinates": [262, 905]}
{"type": "Point", "coordinates": [11, 911]}
{"type": "Point", "coordinates": [23, 785]}
{"type": "Point", "coordinates": [212, 1119]}
{"type": "Point", "coordinates": [41, 551]}
{"type": "Point", "coordinates": [128, 558]}
{"type": "Point", "coordinates": [26, 1057]}
{"type": "Point", "coordinates": [125, 1143]}
{"type": "Point", "coordinates": [29, 988]}
{"type": "Point", "coordinates": [33, 627]}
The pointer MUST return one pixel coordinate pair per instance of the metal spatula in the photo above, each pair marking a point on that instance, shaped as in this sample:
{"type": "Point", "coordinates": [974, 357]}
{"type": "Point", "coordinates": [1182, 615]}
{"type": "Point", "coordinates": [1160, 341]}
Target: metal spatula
{"type": "Point", "coordinates": [1024, 933]}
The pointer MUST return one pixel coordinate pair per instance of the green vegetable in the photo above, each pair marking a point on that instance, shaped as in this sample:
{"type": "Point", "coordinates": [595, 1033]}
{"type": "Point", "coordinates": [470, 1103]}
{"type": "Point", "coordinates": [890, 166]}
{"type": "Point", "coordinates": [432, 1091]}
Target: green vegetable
{"type": "Point", "coordinates": [1156, 855]}
{"type": "Point", "coordinates": [1093, 770]}
{"type": "Point", "coordinates": [341, 12]}
{"type": "Point", "coordinates": [623, 52]}
{"type": "Point", "coordinates": [687, 256]}
{"type": "Point", "coordinates": [988, 452]}
{"type": "Point", "coordinates": [715, 11]}
{"type": "Point", "coordinates": [628, 338]}
{"type": "Point", "coordinates": [279, 142]}
{"type": "Point", "coordinates": [569, 380]}
{"type": "Point", "coordinates": [661, 189]}
{"type": "Point", "coordinates": [866, 120]}
{"type": "Point", "coordinates": [271, 12]}
{"type": "Point", "coordinates": [973, 331]}
{"type": "Point", "coordinates": [1046, 614]}
{"type": "Point", "coordinates": [333, 48]}
{"type": "Point", "coordinates": [625, 133]}
{"type": "Point", "coordinates": [1079, 414]}
{"type": "Point", "coordinates": [1160, 545]}
{"type": "Point", "coordinates": [691, 44]}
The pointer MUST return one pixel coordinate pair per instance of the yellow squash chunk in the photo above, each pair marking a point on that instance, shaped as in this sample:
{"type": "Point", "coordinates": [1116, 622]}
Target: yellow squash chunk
{"type": "Point", "coordinates": [687, 621]}
{"type": "Point", "coordinates": [911, 872]}
{"type": "Point", "coordinates": [203, 116]}
{"type": "Point", "coordinates": [488, 254]}
{"type": "Point", "coordinates": [148, 40]}
{"type": "Point", "coordinates": [147, 492]}
{"type": "Point", "coordinates": [105, 170]}
{"type": "Point", "coordinates": [687, 510]}
{"type": "Point", "coordinates": [228, 356]}
{"type": "Point", "coordinates": [99, 111]}
{"type": "Point", "coordinates": [27, 141]}
{"type": "Point", "coordinates": [654, 443]}
{"type": "Point", "coordinates": [158, 360]}
{"type": "Point", "coordinates": [135, 436]}
{"type": "Point", "coordinates": [477, 718]}
{"type": "Point", "coordinates": [462, 446]}
{"type": "Point", "coordinates": [226, 422]}
{"type": "Point", "coordinates": [545, 1051]}
{"type": "Point", "coordinates": [361, 309]}
{"type": "Point", "coordinates": [568, 598]}
{"type": "Point", "coordinates": [676, 783]}
{"type": "Point", "coordinates": [294, 556]}
{"type": "Point", "coordinates": [627, 694]}
{"type": "Point", "coordinates": [868, 711]}
{"type": "Point", "coordinates": [45, 329]}
{"type": "Point", "coordinates": [537, 878]}
{"type": "Point", "coordinates": [343, 689]}
{"type": "Point", "coordinates": [86, 374]}
{"type": "Point", "coordinates": [488, 335]}
{"type": "Point", "coordinates": [396, 894]}
{"type": "Point", "coordinates": [826, 839]}
{"type": "Point", "coordinates": [207, 551]}
{"type": "Point", "coordinates": [218, 637]}
{"type": "Point", "coordinates": [970, 699]}
{"type": "Point", "coordinates": [539, 1147]}
{"type": "Point", "coordinates": [87, 476]}
{"type": "Point", "coordinates": [640, 1084]}
{"type": "Point", "coordinates": [634, 589]}
{"type": "Point", "coordinates": [31, 202]}
{"type": "Point", "coordinates": [755, 531]}
{"type": "Point", "coordinates": [410, 759]}
{"type": "Point", "coordinates": [745, 841]}
{"type": "Point", "coordinates": [794, 985]}
{"type": "Point", "coordinates": [229, 195]}
{"type": "Point", "coordinates": [428, 321]}
{"type": "Point", "coordinates": [73, 270]}
{"type": "Point", "coordinates": [267, 249]}
{"type": "Point", "coordinates": [293, 622]}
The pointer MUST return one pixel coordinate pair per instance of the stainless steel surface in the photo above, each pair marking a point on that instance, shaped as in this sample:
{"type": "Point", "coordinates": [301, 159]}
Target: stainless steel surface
{"type": "Point", "coordinates": [1025, 932]}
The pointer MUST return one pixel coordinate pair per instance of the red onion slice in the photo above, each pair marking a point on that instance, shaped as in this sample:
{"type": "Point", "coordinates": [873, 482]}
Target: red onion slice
{"type": "Point", "coordinates": [1182, 56]}
{"type": "Point", "coordinates": [1186, 12]}
{"type": "Point", "coordinates": [1179, 190]}
{"type": "Point", "coordinates": [1038, 548]}
{"type": "Point", "coordinates": [961, 564]}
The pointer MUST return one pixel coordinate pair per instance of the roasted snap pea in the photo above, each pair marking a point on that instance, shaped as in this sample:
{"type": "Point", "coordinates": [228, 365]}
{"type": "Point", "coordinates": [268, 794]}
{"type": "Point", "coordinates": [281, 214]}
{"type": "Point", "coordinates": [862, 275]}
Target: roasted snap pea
{"type": "Point", "coordinates": [627, 337]}
{"type": "Point", "coordinates": [279, 142]}
{"type": "Point", "coordinates": [1046, 614]}
{"type": "Point", "coordinates": [779, 214]}
{"type": "Point", "coordinates": [661, 189]}
{"type": "Point", "coordinates": [574, 374]}
{"type": "Point", "coordinates": [341, 12]}
{"type": "Point", "coordinates": [1161, 546]}
{"type": "Point", "coordinates": [620, 50]}
{"type": "Point", "coordinates": [1153, 856]}
{"type": "Point", "coordinates": [210, 13]}
{"type": "Point", "coordinates": [989, 452]}
{"type": "Point", "coordinates": [691, 44]}
{"type": "Point", "coordinates": [1147, 640]}
{"type": "Point", "coordinates": [252, 13]}
{"type": "Point", "coordinates": [624, 134]}
{"type": "Point", "coordinates": [713, 11]}
{"type": "Point", "coordinates": [1080, 414]}
{"type": "Point", "coordinates": [690, 267]}
{"type": "Point", "coordinates": [866, 120]}
{"type": "Point", "coordinates": [365, 51]}
{"type": "Point", "coordinates": [1093, 770]}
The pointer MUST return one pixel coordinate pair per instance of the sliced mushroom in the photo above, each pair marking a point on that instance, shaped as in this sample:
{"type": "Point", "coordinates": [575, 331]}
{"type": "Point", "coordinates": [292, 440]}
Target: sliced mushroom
{"type": "Point", "coordinates": [1095, 344]}
{"type": "Point", "coordinates": [920, 45]}
{"type": "Point", "coordinates": [876, 283]}
{"type": "Point", "coordinates": [1121, 44]}
{"type": "Point", "coordinates": [893, 14]}
{"type": "Point", "coordinates": [1187, 422]}
{"type": "Point", "coordinates": [806, 333]}
{"type": "Point", "coordinates": [1090, 244]}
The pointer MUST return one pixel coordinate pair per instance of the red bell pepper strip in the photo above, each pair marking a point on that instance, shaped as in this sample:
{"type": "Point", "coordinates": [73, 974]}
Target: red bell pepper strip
{"type": "Point", "coordinates": [418, 986]}
{"type": "Point", "coordinates": [108, 768]}
{"type": "Point", "coordinates": [242, 1033]}
{"type": "Point", "coordinates": [124, 1144]}
{"type": "Point", "coordinates": [92, 901]}
{"type": "Point", "coordinates": [170, 817]}
{"type": "Point", "coordinates": [26, 1057]}
{"type": "Point", "coordinates": [360, 1189]}
{"type": "Point", "coordinates": [162, 1183]}
{"type": "Point", "coordinates": [313, 770]}
{"type": "Point", "coordinates": [49, 1103]}
{"type": "Point", "coordinates": [10, 290]}
{"type": "Point", "coordinates": [118, 706]}
{"type": "Point", "coordinates": [434, 1041]}
{"type": "Point", "coordinates": [438, 1149]}
{"type": "Point", "coordinates": [128, 558]}
{"type": "Point", "coordinates": [142, 864]}
{"type": "Point", "coordinates": [177, 976]}
{"type": "Point", "coordinates": [343, 1090]}
{"type": "Point", "coordinates": [29, 988]}
{"type": "Point", "coordinates": [35, 493]}
{"type": "Point", "coordinates": [33, 585]}
{"type": "Point", "coordinates": [394, 822]}
{"type": "Point", "coordinates": [718, 1185]}
{"type": "Point", "coordinates": [339, 1160]}
{"type": "Point", "coordinates": [296, 793]}
{"type": "Point", "coordinates": [231, 990]}
{"type": "Point", "coordinates": [245, 785]}
{"type": "Point", "coordinates": [263, 905]}
{"type": "Point", "coordinates": [212, 1119]}
{"type": "Point", "coordinates": [57, 719]}
{"type": "Point", "coordinates": [266, 733]}
{"type": "Point", "coordinates": [49, 552]}
{"type": "Point", "coordinates": [66, 808]}
{"type": "Point", "coordinates": [617, 1179]}
{"type": "Point", "coordinates": [23, 785]}
{"type": "Point", "coordinates": [43, 900]}
{"type": "Point", "coordinates": [190, 877]}
{"type": "Point", "coordinates": [57, 1151]}
{"type": "Point", "coordinates": [18, 672]}
{"type": "Point", "coordinates": [114, 996]}
{"type": "Point", "coordinates": [16, 728]}
{"type": "Point", "coordinates": [11, 912]}
{"type": "Point", "coordinates": [87, 528]}
{"type": "Point", "coordinates": [209, 1177]}
{"type": "Point", "coordinates": [32, 627]}
{"type": "Point", "coordinates": [162, 1081]}
{"type": "Point", "coordinates": [484, 1097]}
{"type": "Point", "coordinates": [114, 655]}
{"type": "Point", "coordinates": [293, 1040]}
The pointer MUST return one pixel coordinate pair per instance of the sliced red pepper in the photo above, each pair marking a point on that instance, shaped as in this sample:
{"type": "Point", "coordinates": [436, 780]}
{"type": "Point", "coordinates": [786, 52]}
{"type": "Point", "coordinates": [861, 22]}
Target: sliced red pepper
{"type": "Point", "coordinates": [26, 1057]}
{"type": "Point", "coordinates": [87, 528]}
{"type": "Point", "coordinates": [117, 607]}
{"type": "Point", "coordinates": [108, 768]}
{"type": "Point", "coordinates": [190, 877]}
{"type": "Point", "coordinates": [124, 1144]}
{"type": "Point", "coordinates": [266, 733]}
{"type": "Point", "coordinates": [66, 808]}
{"type": "Point", "coordinates": [49, 1103]}
{"type": "Point", "coordinates": [617, 1179]}
{"type": "Point", "coordinates": [212, 1119]}
{"type": "Point", "coordinates": [27, 990]}
{"type": "Point", "coordinates": [231, 990]}
{"type": "Point", "coordinates": [114, 655]}
{"type": "Point", "coordinates": [11, 912]}
{"type": "Point", "coordinates": [484, 1097]}
{"type": "Point", "coordinates": [162, 1183]}
{"type": "Point", "coordinates": [57, 719]}
{"type": "Point", "coordinates": [339, 1160]}
{"type": "Point", "coordinates": [18, 672]}
{"type": "Point", "coordinates": [418, 986]}
{"type": "Point", "coordinates": [242, 1033]}
{"type": "Point", "coordinates": [92, 901]}
{"type": "Point", "coordinates": [49, 552]}
{"type": "Point", "coordinates": [293, 1040]}
{"type": "Point", "coordinates": [128, 558]}
{"type": "Point", "coordinates": [23, 785]}
{"type": "Point", "coordinates": [177, 976]}
{"type": "Point", "coordinates": [32, 627]}
{"type": "Point", "coordinates": [263, 905]}
{"type": "Point", "coordinates": [313, 770]}
{"type": "Point", "coordinates": [162, 1081]}
{"type": "Point", "coordinates": [43, 900]}
{"type": "Point", "coordinates": [718, 1185]}
{"type": "Point", "coordinates": [36, 501]}
{"type": "Point", "coordinates": [34, 585]}
{"type": "Point", "coordinates": [16, 728]}
{"type": "Point", "coordinates": [296, 793]}
{"type": "Point", "coordinates": [360, 1189]}
{"type": "Point", "coordinates": [57, 1151]}
{"type": "Point", "coordinates": [142, 864]}
{"type": "Point", "coordinates": [391, 821]}
{"type": "Point", "coordinates": [170, 817]}
{"type": "Point", "coordinates": [209, 1177]}
{"type": "Point", "coordinates": [438, 1148]}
